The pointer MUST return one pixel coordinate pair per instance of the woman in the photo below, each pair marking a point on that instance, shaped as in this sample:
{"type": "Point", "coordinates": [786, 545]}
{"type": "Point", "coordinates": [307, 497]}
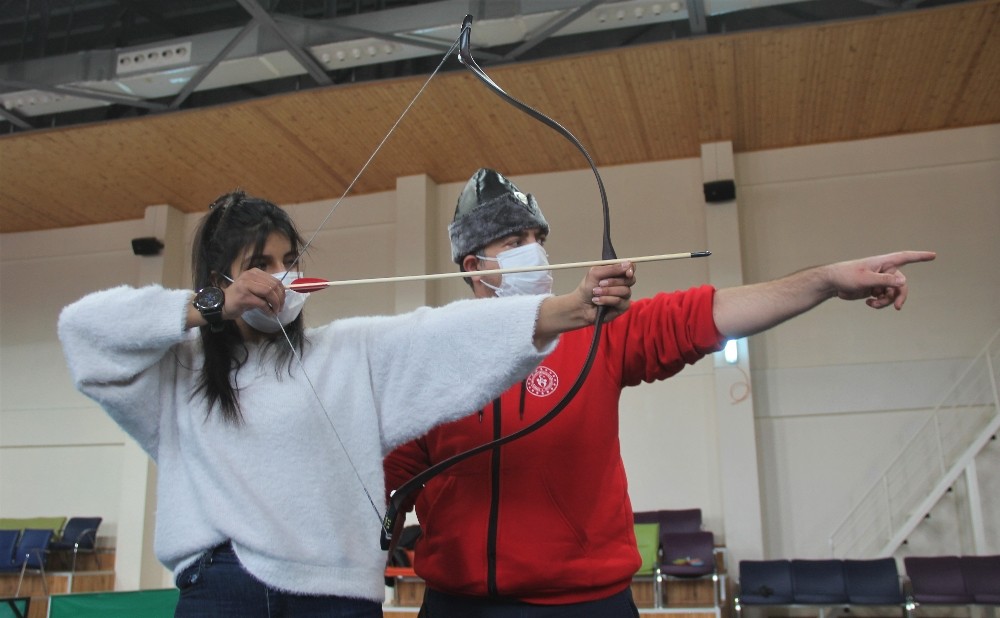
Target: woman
{"type": "Point", "coordinates": [269, 437]}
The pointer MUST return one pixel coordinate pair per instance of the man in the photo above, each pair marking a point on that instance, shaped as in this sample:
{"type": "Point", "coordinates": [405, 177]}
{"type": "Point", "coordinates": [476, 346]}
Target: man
{"type": "Point", "coordinates": [543, 525]}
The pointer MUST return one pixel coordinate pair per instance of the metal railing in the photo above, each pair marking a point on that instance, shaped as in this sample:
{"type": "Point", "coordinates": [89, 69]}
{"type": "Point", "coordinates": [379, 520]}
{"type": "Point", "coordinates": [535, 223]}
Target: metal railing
{"type": "Point", "coordinates": [927, 465]}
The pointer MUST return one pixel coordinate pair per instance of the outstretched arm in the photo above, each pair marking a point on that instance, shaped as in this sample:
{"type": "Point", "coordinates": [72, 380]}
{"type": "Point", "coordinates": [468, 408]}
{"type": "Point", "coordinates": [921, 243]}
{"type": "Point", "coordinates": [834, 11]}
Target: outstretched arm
{"type": "Point", "coordinates": [750, 309]}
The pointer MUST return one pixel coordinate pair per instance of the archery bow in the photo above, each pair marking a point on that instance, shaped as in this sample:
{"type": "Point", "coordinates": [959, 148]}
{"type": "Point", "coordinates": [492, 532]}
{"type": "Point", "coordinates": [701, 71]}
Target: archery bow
{"type": "Point", "coordinates": [608, 256]}
{"type": "Point", "coordinates": [399, 496]}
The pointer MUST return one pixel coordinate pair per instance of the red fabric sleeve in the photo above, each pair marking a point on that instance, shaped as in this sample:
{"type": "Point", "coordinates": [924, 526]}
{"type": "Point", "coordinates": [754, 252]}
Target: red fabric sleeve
{"type": "Point", "coordinates": [657, 337]}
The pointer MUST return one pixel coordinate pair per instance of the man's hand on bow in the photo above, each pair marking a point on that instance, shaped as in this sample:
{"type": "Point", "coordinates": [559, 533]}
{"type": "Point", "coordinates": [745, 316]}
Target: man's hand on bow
{"type": "Point", "coordinates": [603, 286]}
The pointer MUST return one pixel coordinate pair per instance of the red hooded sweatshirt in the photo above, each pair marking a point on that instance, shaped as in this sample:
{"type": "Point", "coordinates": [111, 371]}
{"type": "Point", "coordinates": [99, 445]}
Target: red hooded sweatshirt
{"type": "Point", "coordinates": [547, 519]}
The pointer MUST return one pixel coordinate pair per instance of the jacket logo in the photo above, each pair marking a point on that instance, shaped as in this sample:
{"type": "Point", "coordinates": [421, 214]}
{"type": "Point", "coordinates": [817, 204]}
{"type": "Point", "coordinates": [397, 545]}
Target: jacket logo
{"type": "Point", "coordinates": [542, 382]}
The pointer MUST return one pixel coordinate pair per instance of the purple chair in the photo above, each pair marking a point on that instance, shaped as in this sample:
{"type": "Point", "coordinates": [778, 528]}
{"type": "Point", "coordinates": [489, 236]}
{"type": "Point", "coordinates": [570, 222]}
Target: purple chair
{"type": "Point", "coordinates": [671, 520]}
{"type": "Point", "coordinates": [687, 554]}
{"type": "Point", "coordinates": [937, 580]}
{"type": "Point", "coordinates": [646, 517]}
{"type": "Point", "coordinates": [982, 578]}
{"type": "Point", "coordinates": [818, 582]}
{"type": "Point", "coordinates": [680, 520]}
{"type": "Point", "coordinates": [690, 555]}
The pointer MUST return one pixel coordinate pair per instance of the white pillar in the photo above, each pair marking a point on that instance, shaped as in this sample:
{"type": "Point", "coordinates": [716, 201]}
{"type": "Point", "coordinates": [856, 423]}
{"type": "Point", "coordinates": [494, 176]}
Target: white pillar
{"type": "Point", "coordinates": [136, 566]}
{"type": "Point", "coordinates": [415, 199]}
{"type": "Point", "coordinates": [740, 485]}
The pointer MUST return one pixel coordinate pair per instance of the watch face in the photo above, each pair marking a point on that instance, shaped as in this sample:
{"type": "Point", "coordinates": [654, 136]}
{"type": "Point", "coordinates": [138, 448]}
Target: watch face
{"type": "Point", "coordinates": [209, 298]}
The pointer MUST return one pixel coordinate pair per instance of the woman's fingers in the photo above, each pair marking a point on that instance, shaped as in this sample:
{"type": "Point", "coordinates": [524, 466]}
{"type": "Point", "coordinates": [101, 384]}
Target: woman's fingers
{"type": "Point", "coordinates": [255, 289]}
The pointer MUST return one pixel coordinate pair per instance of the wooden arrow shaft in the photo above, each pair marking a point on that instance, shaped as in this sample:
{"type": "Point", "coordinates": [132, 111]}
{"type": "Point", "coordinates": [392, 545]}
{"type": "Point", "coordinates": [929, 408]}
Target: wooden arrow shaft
{"type": "Point", "coordinates": [500, 271]}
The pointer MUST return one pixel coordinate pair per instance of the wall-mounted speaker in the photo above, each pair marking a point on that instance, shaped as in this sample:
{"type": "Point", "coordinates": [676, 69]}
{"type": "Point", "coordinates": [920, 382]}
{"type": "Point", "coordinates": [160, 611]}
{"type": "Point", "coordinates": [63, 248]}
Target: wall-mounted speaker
{"type": "Point", "coordinates": [148, 245]}
{"type": "Point", "coordinates": [720, 191]}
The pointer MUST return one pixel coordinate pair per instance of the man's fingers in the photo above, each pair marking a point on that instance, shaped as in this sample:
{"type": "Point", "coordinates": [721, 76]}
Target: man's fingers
{"type": "Point", "coordinates": [899, 295]}
{"type": "Point", "coordinates": [910, 257]}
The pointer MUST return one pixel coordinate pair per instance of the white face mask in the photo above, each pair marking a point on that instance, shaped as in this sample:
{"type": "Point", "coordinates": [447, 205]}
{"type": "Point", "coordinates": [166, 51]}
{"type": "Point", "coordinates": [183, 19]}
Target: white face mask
{"type": "Point", "coordinates": [267, 322]}
{"type": "Point", "coordinates": [531, 282]}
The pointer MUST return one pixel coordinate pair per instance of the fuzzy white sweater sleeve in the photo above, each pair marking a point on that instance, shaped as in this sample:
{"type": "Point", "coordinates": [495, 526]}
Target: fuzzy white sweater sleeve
{"type": "Point", "coordinates": [114, 341]}
{"type": "Point", "coordinates": [292, 486]}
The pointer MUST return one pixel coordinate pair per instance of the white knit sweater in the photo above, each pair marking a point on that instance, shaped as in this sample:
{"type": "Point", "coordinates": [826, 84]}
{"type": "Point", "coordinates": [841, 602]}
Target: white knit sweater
{"type": "Point", "coordinates": [282, 487]}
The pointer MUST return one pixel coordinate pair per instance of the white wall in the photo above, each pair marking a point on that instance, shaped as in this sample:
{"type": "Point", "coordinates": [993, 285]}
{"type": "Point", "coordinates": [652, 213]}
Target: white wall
{"type": "Point", "coordinates": [840, 390]}
{"type": "Point", "coordinates": [58, 452]}
{"type": "Point", "coordinates": [835, 392]}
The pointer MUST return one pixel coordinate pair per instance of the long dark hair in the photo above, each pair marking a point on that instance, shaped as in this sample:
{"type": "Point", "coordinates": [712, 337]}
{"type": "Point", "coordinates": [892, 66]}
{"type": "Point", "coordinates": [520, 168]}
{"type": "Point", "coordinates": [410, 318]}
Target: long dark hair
{"type": "Point", "coordinates": [235, 223]}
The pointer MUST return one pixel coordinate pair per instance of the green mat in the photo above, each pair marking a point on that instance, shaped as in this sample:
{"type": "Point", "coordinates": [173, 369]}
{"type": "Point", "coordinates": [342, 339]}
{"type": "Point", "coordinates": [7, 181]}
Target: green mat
{"type": "Point", "coordinates": [140, 603]}
{"type": "Point", "coordinates": [647, 537]}
{"type": "Point", "coordinates": [14, 607]}
{"type": "Point", "coordinates": [55, 524]}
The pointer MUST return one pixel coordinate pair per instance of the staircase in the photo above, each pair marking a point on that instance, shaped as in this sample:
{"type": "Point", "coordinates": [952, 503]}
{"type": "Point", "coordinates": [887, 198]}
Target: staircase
{"type": "Point", "coordinates": [943, 449]}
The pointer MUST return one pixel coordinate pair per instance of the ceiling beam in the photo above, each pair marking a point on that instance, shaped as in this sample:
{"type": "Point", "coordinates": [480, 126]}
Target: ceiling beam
{"type": "Point", "coordinates": [207, 69]}
{"type": "Point", "coordinates": [83, 93]}
{"type": "Point", "coordinates": [556, 25]}
{"type": "Point", "coordinates": [302, 56]}
{"type": "Point", "coordinates": [15, 119]}
{"type": "Point", "coordinates": [696, 16]}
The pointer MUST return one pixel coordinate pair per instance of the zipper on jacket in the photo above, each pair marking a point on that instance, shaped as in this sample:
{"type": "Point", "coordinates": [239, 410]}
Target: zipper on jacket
{"type": "Point", "coordinates": [491, 539]}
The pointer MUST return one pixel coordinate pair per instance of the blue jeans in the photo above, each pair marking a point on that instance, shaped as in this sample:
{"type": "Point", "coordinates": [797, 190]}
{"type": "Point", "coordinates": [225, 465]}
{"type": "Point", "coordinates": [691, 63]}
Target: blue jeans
{"type": "Point", "coordinates": [440, 605]}
{"type": "Point", "coordinates": [217, 585]}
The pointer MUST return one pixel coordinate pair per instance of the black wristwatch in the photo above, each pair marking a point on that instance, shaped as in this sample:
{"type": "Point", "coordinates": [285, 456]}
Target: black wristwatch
{"type": "Point", "coordinates": [208, 301]}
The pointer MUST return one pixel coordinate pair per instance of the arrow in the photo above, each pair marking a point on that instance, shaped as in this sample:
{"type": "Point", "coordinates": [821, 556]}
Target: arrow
{"type": "Point", "coordinates": [315, 284]}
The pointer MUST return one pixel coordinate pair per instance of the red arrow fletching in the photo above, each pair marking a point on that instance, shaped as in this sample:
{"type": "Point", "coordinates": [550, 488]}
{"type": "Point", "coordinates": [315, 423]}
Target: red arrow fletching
{"type": "Point", "coordinates": [308, 284]}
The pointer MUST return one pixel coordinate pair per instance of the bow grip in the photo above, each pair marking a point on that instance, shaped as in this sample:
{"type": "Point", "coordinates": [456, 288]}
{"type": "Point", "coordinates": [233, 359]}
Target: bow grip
{"type": "Point", "coordinates": [388, 524]}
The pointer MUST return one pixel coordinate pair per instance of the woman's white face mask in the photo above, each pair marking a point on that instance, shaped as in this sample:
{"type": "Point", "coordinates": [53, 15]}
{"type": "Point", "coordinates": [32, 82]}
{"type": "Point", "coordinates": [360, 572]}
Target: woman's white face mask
{"type": "Point", "coordinates": [531, 282]}
{"type": "Point", "coordinates": [267, 322]}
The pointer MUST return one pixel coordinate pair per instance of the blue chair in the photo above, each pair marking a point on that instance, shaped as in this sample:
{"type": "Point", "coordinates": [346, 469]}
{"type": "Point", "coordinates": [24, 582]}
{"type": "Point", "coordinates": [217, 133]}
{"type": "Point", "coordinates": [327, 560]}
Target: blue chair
{"type": "Point", "coordinates": [79, 535]}
{"type": "Point", "coordinates": [31, 553]}
{"type": "Point", "coordinates": [818, 582]}
{"type": "Point", "coordinates": [764, 582]}
{"type": "Point", "coordinates": [873, 582]}
{"type": "Point", "coordinates": [8, 544]}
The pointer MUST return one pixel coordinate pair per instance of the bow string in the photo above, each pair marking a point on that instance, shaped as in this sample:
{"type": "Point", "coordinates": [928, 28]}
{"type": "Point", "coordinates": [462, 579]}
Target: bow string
{"type": "Point", "coordinates": [309, 242]}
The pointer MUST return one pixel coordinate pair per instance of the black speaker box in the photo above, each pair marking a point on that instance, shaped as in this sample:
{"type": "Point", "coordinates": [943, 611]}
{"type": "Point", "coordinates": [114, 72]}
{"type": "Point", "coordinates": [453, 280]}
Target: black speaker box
{"type": "Point", "coordinates": [148, 245]}
{"type": "Point", "coordinates": [720, 191]}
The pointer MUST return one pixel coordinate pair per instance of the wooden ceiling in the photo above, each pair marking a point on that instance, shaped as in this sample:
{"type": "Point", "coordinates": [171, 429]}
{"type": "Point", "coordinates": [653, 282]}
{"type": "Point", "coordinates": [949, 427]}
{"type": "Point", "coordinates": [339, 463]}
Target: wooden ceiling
{"type": "Point", "coordinates": [906, 72]}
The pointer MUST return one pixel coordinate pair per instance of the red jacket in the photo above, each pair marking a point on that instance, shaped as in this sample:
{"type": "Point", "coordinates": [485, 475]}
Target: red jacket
{"type": "Point", "coordinates": [547, 519]}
